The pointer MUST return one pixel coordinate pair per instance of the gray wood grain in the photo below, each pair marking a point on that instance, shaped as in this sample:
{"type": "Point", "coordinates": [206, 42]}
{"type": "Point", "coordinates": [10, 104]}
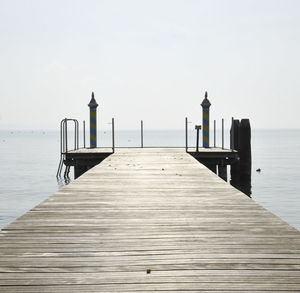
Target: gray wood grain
{"type": "Point", "coordinates": [155, 209]}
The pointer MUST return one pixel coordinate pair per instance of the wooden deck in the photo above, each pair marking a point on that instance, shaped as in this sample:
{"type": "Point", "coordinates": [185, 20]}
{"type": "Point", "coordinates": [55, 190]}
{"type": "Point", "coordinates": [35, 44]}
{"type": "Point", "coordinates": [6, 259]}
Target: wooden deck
{"type": "Point", "coordinates": [155, 209]}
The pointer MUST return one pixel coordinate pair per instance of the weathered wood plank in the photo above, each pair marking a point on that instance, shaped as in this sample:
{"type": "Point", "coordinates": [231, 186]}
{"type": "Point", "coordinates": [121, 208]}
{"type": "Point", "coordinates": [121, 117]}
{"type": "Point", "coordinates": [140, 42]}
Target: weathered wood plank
{"type": "Point", "coordinates": [149, 208]}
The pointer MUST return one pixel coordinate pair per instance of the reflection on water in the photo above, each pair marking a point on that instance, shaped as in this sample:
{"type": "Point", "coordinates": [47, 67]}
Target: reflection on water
{"type": "Point", "coordinates": [241, 179]}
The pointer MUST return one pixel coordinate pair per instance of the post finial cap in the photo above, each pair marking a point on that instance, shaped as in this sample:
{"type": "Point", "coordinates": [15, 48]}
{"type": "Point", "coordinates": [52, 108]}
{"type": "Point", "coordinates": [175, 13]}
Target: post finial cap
{"type": "Point", "coordinates": [93, 103]}
{"type": "Point", "coordinates": [205, 103]}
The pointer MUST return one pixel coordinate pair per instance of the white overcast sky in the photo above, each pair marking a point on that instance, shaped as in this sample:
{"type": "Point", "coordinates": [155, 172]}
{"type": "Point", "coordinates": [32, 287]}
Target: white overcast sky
{"type": "Point", "coordinates": [150, 60]}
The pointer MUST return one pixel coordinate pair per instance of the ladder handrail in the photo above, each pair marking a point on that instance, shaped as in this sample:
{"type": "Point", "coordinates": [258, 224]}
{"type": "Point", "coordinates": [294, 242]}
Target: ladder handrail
{"type": "Point", "coordinates": [64, 142]}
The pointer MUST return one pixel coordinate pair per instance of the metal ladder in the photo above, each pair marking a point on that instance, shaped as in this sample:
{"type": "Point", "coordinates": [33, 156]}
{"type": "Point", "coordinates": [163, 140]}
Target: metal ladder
{"type": "Point", "coordinates": [64, 145]}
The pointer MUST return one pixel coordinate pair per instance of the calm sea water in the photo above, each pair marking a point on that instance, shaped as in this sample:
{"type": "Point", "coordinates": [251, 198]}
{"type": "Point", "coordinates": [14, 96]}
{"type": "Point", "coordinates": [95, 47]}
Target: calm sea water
{"type": "Point", "coordinates": [29, 161]}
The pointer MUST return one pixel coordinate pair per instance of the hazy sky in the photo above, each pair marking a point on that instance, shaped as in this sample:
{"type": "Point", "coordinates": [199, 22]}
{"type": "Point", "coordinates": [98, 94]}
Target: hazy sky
{"type": "Point", "coordinates": [150, 60]}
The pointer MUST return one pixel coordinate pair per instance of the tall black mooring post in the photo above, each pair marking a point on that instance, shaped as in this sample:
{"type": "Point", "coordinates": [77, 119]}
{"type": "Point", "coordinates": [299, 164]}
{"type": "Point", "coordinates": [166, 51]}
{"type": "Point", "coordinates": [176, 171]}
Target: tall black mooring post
{"type": "Point", "coordinates": [241, 141]}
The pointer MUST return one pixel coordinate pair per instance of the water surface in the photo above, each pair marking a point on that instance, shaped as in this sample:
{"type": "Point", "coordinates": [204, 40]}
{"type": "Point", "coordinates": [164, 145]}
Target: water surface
{"type": "Point", "coordinates": [29, 161]}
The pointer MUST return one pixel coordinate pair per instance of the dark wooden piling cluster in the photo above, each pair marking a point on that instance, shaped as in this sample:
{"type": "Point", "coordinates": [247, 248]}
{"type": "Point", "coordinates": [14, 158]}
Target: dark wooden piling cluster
{"type": "Point", "coordinates": [240, 138]}
{"type": "Point", "coordinates": [238, 157]}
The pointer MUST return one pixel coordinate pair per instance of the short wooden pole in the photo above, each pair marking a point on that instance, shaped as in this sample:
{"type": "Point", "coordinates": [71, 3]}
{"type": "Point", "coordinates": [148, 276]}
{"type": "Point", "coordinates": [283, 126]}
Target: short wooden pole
{"type": "Point", "coordinates": [186, 134]}
{"type": "Point", "coordinates": [197, 127]}
{"type": "Point", "coordinates": [113, 133]}
{"type": "Point", "coordinates": [222, 133]}
{"type": "Point", "coordinates": [214, 133]}
{"type": "Point", "coordinates": [84, 133]}
{"type": "Point", "coordinates": [142, 134]}
{"type": "Point", "coordinates": [232, 136]}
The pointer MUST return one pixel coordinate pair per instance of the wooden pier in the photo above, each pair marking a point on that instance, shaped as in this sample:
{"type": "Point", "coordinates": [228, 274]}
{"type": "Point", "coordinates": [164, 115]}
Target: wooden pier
{"type": "Point", "coordinates": [155, 210]}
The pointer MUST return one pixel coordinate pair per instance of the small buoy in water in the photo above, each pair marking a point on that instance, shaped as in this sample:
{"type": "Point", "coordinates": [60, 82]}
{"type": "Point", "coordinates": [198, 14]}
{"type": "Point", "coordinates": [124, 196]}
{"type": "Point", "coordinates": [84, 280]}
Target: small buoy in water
{"type": "Point", "coordinates": [258, 170]}
{"type": "Point", "coordinates": [148, 271]}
